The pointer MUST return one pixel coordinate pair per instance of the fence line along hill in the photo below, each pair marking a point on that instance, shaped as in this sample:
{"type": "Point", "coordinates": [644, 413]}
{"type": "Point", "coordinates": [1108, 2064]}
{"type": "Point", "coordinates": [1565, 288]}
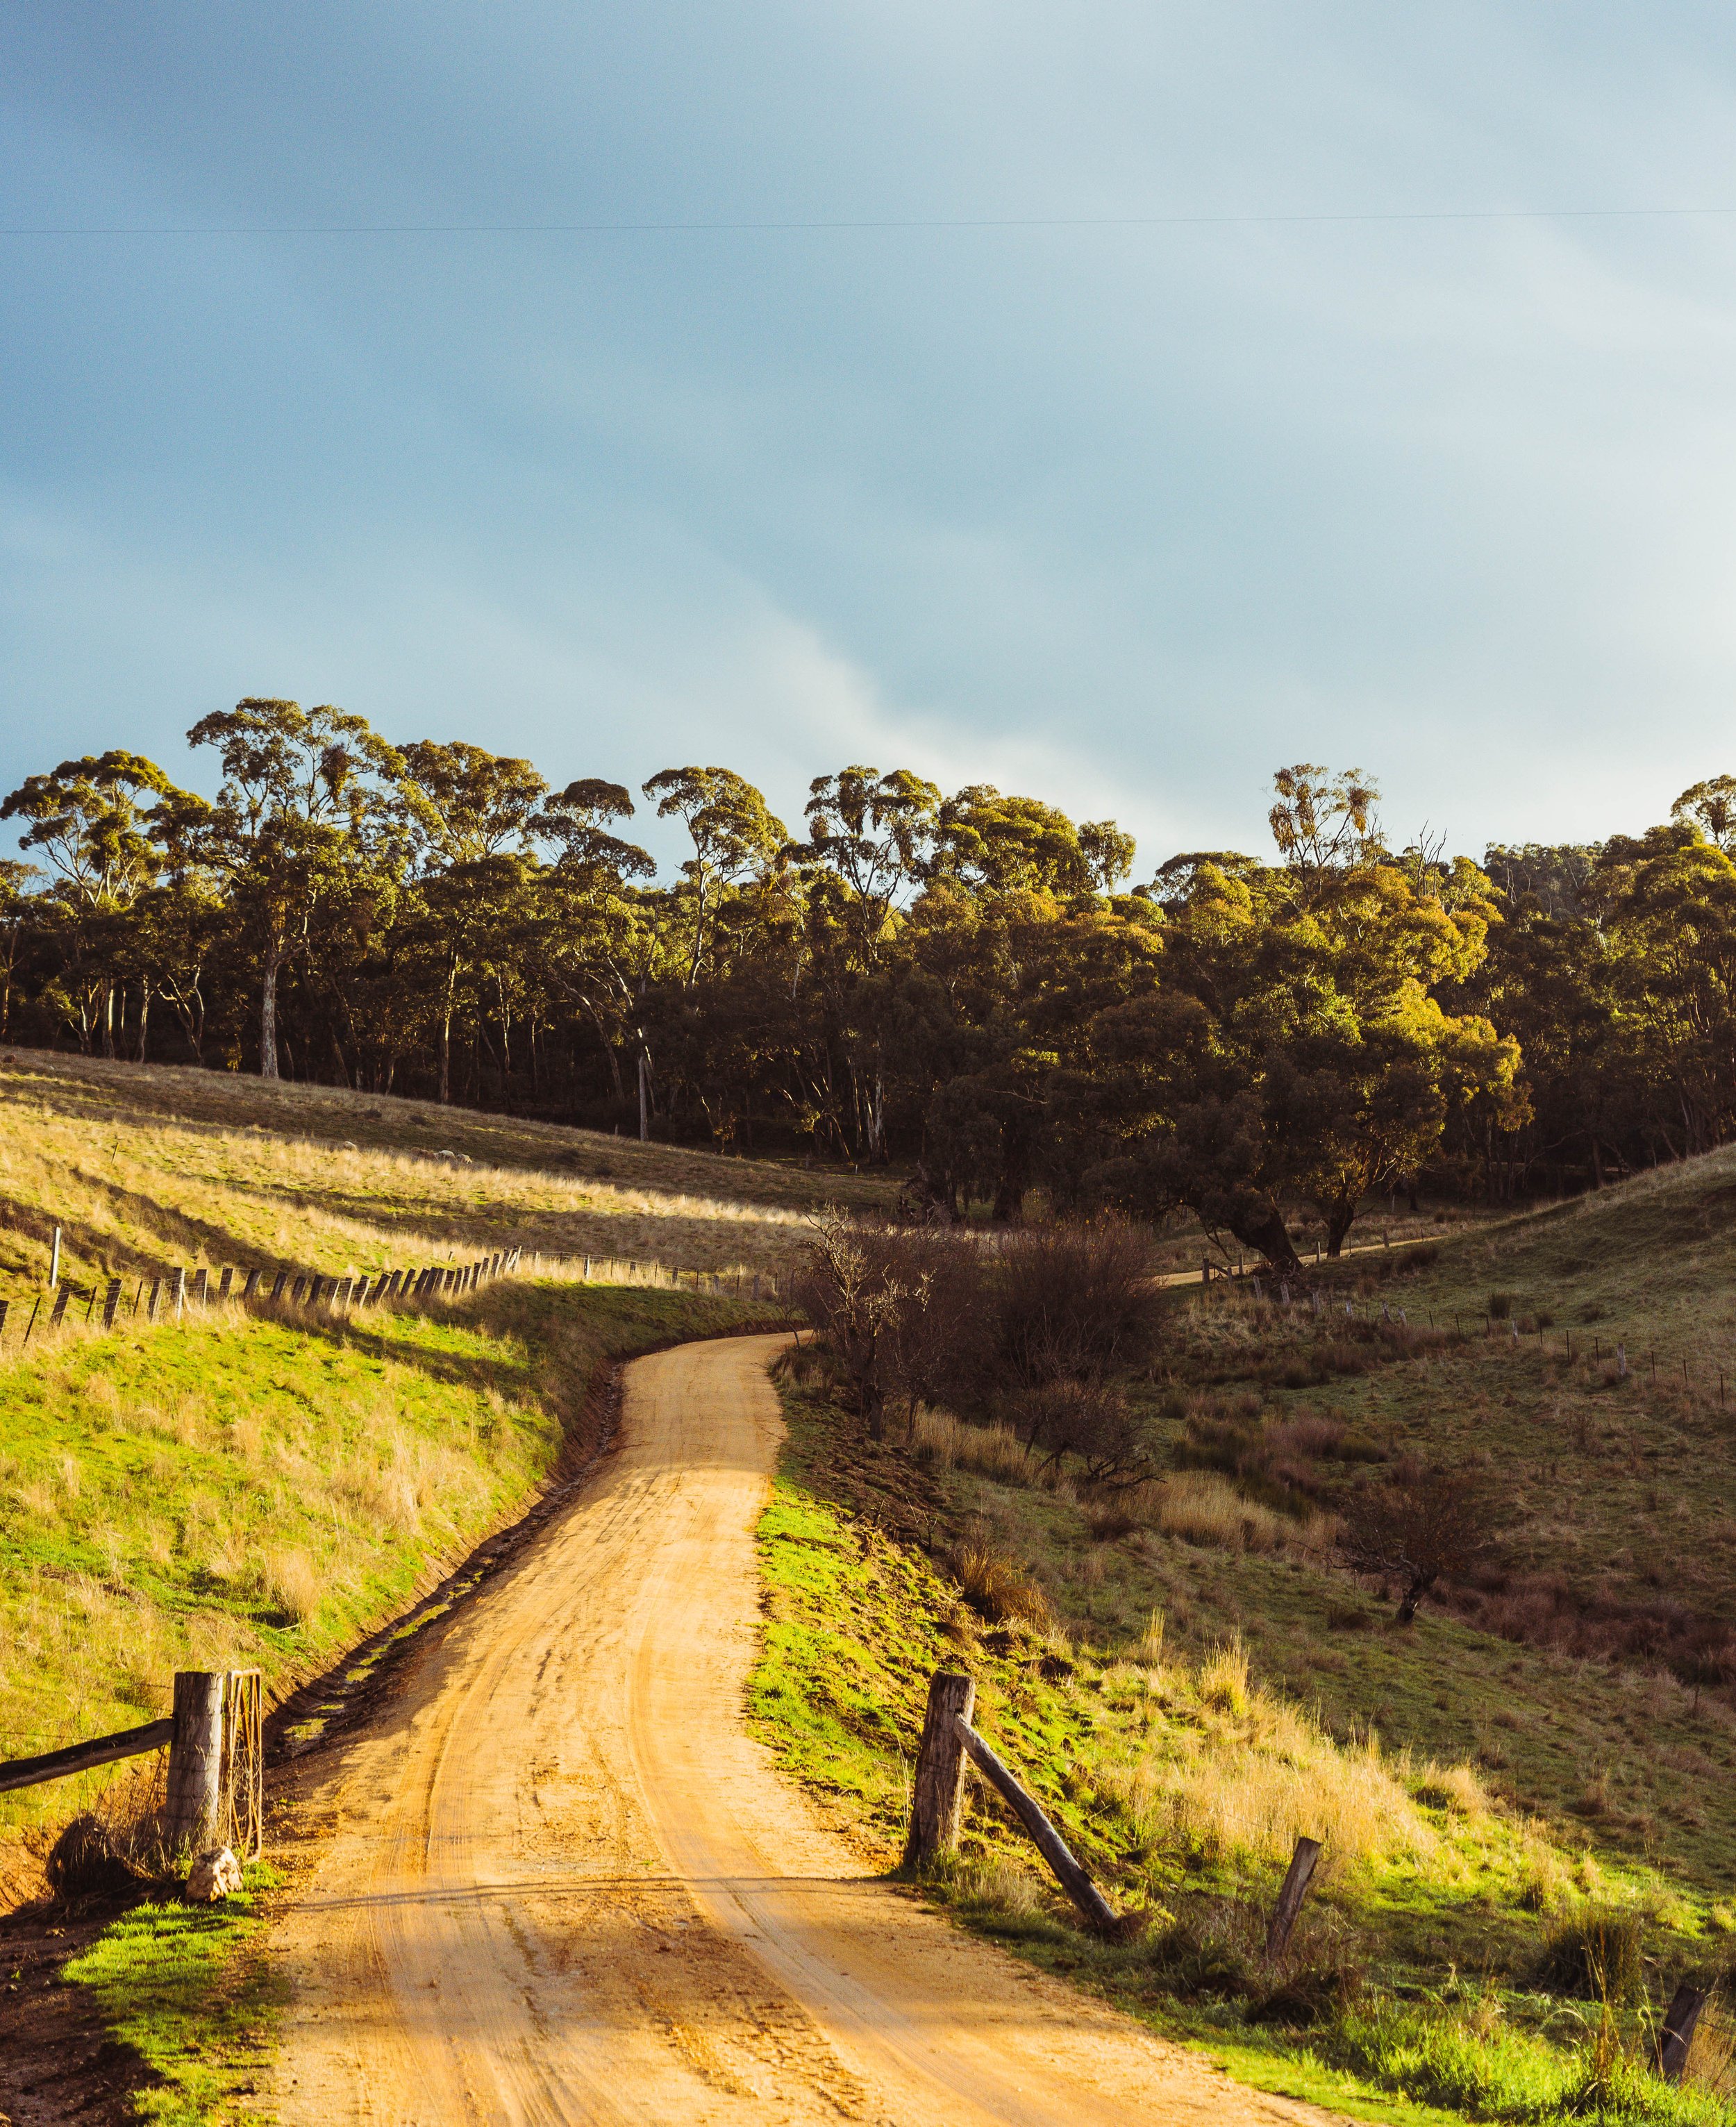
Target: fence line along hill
{"type": "Point", "coordinates": [146, 1169]}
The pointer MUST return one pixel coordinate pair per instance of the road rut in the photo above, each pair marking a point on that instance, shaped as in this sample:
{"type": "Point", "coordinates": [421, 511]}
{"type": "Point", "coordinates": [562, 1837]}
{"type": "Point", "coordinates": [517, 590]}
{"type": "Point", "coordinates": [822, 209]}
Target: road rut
{"type": "Point", "coordinates": [563, 1885]}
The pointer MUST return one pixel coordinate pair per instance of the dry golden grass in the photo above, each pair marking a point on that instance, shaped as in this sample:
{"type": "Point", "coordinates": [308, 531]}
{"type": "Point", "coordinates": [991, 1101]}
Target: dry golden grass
{"type": "Point", "coordinates": [147, 1170]}
{"type": "Point", "coordinates": [942, 1442]}
{"type": "Point", "coordinates": [1201, 1507]}
{"type": "Point", "coordinates": [1249, 1774]}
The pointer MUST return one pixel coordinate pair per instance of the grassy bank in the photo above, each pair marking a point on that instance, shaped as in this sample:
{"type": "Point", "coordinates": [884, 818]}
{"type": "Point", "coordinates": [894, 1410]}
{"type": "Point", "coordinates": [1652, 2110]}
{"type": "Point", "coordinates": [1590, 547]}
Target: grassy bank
{"type": "Point", "coordinates": [1170, 1697]}
{"type": "Point", "coordinates": [243, 1491]}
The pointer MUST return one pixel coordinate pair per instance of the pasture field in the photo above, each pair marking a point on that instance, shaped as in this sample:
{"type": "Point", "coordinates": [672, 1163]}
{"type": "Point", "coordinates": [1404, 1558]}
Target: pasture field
{"type": "Point", "coordinates": [147, 1169]}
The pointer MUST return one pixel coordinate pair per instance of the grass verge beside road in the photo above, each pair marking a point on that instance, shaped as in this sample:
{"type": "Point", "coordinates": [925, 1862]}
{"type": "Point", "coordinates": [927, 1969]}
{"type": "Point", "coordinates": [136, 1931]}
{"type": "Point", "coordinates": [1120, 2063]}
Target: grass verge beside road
{"type": "Point", "coordinates": [241, 1491]}
{"type": "Point", "coordinates": [1439, 1968]}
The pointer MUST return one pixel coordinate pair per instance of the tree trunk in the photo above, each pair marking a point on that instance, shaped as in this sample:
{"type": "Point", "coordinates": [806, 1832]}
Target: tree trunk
{"type": "Point", "coordinates": [644, 1099]}
{"type": "Point", "coordinates": [144, 1018]}
{"type": "Point", "coordinates": [445, 1035]}
{"type": "Point", "coordinates": [1415, 1589]}
{"type": "Point", "coordinates": [1341, 1216]}
{"type": "Point", "coordinates": [108, 1019]}
{"type": "Point", "coordinates": [1265, 1232]}
{"type": "Point", "coordinates": [268, 1021]}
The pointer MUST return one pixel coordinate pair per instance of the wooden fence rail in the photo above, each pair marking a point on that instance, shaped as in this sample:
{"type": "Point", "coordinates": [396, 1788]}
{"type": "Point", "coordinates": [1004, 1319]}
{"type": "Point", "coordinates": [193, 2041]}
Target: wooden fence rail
{"type": "Point", "coordinates": [80, 1757]}
{"type": "Point", "coordinates": [215, 1789]}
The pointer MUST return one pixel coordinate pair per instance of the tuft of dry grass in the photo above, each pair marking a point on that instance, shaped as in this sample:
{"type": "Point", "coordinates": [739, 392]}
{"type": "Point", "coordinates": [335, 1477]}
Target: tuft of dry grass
{"type": "Point", "coordinates": [1223, 1678]}
{"type": "Point", "coordinates": [290, 1583]}
{"type": "Point", "coordinates": [941, 1442]}
{"type": "Point", "coordinates": [998, 1587]}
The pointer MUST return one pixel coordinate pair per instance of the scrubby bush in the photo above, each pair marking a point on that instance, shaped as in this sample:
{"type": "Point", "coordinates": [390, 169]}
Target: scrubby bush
{"type": "Point", "coordinates": [1073, 1303]}
{"type": "Point", "coordinates": [902, 1312]}
{"type": "Point", "coordinates": [1092, 1421]}
{"type": "Point", "coordinates": [1420, 1526]}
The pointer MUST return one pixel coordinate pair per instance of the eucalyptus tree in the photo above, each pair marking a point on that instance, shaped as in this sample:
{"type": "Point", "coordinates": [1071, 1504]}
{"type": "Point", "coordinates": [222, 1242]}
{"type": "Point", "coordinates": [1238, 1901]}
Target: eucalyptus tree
{"type": "Point", "coordinates": [91, 820]}
{"type": "Point", "coordinates": [310, 819]}
{"type": "Point", "coordinates": [469, 818]}
{"type": "Point", "coordinates": [735, 837]}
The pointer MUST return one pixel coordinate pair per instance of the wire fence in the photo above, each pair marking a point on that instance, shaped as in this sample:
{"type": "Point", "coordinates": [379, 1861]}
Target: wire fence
{"type": "Point", "coordinates": [170, 1296]}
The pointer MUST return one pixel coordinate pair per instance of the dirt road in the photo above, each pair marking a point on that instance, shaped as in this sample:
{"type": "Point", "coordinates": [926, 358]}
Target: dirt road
{"type": "Point", "coordinates": [564, 1885]}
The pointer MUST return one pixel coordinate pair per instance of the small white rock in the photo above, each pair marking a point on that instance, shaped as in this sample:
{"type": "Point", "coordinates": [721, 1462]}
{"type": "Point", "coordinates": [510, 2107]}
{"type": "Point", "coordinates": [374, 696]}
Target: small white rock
{"type": "Point", "coordinates": [213, 1876]}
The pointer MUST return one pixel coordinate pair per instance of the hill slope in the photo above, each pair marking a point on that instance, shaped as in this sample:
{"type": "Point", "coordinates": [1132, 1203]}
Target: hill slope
{"type": "Point", "coordinates": [1548, 1754]}
{"type": "Point", "coordinates": [149, 1169]}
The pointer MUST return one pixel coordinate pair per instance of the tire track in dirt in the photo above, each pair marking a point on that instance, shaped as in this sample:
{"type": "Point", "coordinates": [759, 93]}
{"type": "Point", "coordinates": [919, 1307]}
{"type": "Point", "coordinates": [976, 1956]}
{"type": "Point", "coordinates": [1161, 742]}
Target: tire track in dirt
{"type": "Point", "coordinates": [563, 1885]}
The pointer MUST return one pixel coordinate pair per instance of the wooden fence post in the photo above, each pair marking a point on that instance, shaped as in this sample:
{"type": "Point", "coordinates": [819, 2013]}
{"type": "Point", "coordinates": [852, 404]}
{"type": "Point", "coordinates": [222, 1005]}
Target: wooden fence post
{"type": "Point", "coordinates": [1049, 1842]}
{"type": "Point", "coordinates": [937, 1793]}
{"type": "Point", "coordinates": [54, 1260]}
{"type": "Point", "coordinates": [1290, 1896]}
{"type": "Point", "coordinates": [189, 1816]}
{"type": "Point", "coordinates": [1677, 2033]}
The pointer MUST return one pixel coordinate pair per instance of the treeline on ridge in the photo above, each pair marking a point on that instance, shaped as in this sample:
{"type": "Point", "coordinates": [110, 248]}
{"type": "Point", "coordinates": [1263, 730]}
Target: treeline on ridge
{"type": "Point", "coordinates": [963, 984]}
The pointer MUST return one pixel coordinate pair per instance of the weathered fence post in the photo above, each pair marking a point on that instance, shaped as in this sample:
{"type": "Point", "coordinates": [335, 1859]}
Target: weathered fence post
{"type": "Point", "coordinates": [1049, 1842]}
{"type": "Point", "coordinates": [1293, 1890]}
{"type": "Point", "coordinates": [1677, 2033]}
{"type": "Point", "coordinates": [937, 1793]}
{"type": "Point", "coordinates": [189, 1816]}
{"type": "Point", "coordinates": [54, 1260]}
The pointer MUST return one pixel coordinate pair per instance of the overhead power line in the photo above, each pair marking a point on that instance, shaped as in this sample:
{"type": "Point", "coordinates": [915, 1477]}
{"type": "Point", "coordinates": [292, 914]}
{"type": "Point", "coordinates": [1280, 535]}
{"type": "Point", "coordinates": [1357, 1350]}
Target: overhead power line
{"type": "Point", "coordinates": [915, 223]}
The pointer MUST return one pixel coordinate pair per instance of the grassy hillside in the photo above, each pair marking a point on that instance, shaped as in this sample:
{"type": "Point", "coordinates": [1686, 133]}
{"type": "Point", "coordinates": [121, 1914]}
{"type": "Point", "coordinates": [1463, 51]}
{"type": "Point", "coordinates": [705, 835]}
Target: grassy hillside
{"type": "Point", "coordinates": [240, 1490]}
{"type": "Point", "coordinates": [1545, 1761]}
{"type": "Point", "coordinates": [147, 1170]}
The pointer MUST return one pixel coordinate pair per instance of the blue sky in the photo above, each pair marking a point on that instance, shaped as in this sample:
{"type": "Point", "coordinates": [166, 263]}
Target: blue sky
{"type": "Point", "coordinates": [1123, 517]}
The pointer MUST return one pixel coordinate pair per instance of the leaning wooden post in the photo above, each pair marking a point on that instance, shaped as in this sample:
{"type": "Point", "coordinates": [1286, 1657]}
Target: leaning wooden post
{"type": "Point", "coordinates": [1049, 1842]}
{"type": "Point", "coordinates": [937, 1793]}
{"type": "Point", "coordinates": [1677, 2033]}
{"type": "Point", "coordinates": [1294, 1890]}
{"type": "Point", "coordinates": [190, 1815]}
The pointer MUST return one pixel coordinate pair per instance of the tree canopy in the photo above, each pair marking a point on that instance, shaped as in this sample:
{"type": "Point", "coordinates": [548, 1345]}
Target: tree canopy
{"type": "Point", "coordinates": [963, 984]}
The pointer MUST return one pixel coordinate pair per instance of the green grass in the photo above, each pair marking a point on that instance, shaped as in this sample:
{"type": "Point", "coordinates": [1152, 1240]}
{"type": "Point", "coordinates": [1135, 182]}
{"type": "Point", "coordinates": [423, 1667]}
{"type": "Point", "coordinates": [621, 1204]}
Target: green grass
{"type": "Point", "coordinates": [241, 1491]}
{"type": "Point", "coordinates": [1453, 1877]}
{"type": "Point", "coordinates": [185, 1987]}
